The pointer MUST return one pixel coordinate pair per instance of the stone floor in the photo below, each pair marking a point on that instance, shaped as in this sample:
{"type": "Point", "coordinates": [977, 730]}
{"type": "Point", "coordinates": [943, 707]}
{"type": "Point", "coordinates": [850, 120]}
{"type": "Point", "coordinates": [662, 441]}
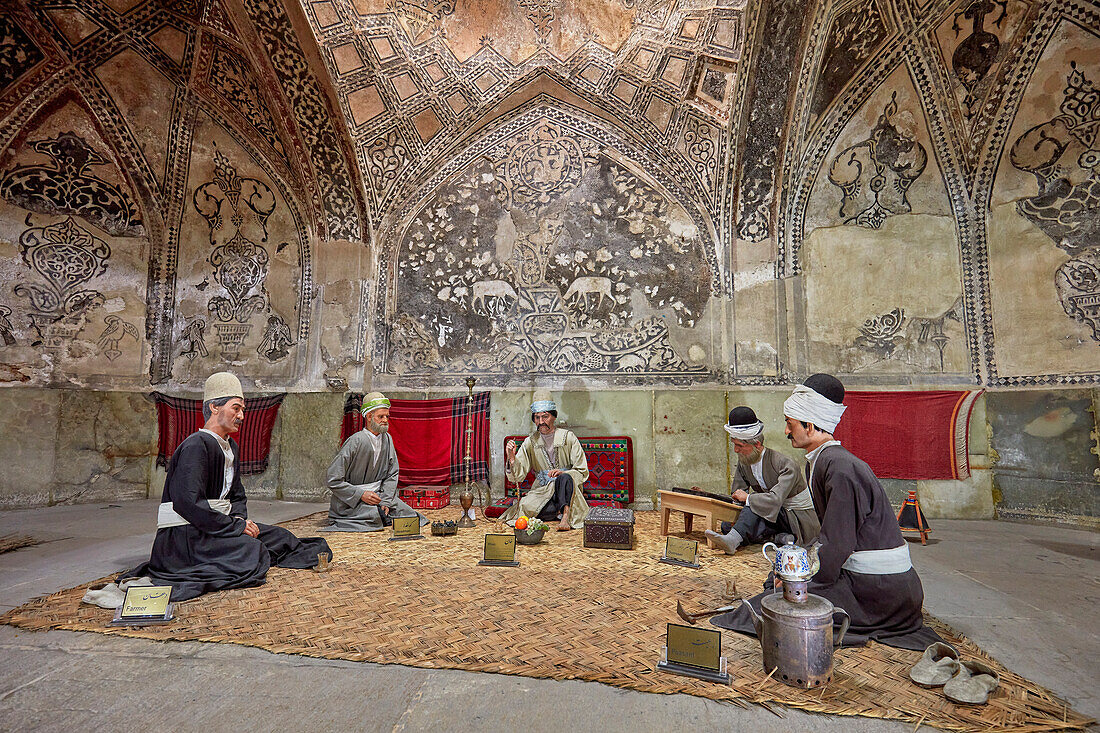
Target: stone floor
{"type": "Point", "coordinates": [1027, 594]}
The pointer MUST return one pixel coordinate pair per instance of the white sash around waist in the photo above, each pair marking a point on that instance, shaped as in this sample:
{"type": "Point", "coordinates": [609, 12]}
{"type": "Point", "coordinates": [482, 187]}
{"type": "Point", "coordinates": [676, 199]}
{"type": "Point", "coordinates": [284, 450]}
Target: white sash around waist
{"type": "Point", "coordinates": [879, 562]}
{"type": "Point", "coordinates": [800, 501]}
{"type": "Point", "coordinates": [167, 516]}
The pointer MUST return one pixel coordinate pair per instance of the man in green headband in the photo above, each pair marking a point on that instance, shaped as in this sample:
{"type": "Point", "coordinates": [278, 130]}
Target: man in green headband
{"type": "Point", "coordinates": [363, 476]}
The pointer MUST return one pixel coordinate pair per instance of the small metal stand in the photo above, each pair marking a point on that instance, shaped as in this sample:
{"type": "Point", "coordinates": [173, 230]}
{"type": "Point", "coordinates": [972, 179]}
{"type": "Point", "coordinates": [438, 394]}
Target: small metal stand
{"type": "Point", "coordinates": [466, 498]}
{"type": "Point", "coordinates": [679, 563]}
{"type": "Point", "coordinates": [700, 673]}
{"type": "Point", "coordinates": [911, 519]}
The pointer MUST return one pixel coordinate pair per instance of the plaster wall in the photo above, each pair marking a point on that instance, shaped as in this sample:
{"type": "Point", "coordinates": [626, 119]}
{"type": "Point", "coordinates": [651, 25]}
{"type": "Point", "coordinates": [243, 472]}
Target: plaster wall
{"type": "Point", "coordinates": [1032, 453]}
{"type": "Point", "coordinates": [645, 208]}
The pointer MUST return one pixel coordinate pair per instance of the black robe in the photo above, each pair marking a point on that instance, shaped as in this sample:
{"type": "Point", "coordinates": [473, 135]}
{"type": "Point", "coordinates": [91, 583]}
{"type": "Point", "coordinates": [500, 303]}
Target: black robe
{"type": "Point", "coordinates": [212, 552]}
{"type": "Point", "coordinates": [856, 515]}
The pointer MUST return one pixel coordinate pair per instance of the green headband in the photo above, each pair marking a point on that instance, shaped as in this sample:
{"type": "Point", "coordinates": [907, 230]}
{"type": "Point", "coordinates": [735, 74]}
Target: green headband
{"type": "Point", "coordinates": [374, 405]}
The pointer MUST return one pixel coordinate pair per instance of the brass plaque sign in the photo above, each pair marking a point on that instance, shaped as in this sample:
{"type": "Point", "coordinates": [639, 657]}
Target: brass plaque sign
{"type": "Point", "coordinates": [500, 549]}
{"type": "Point", "coordinates": [145, 605]}
{"type": "Point", "coordinates": [150, 601]}
{"type": "Point", "coordinates": [691, 646]}
{"type": "Point", "coordinates": [406, 526]}
{"type": "Point", "coordinates": [681, 550]}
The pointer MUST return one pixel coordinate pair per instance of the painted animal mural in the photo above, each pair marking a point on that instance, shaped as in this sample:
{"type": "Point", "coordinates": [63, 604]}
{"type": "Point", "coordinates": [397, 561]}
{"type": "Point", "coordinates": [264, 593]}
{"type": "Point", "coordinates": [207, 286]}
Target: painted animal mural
{"type": "Point", "coordinates": [548, 257]}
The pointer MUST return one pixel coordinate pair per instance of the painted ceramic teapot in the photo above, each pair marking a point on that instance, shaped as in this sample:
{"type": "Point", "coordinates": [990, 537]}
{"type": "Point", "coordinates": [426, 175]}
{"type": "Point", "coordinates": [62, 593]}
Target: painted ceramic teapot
{"type": "Point", "coordinates": [791, 562]}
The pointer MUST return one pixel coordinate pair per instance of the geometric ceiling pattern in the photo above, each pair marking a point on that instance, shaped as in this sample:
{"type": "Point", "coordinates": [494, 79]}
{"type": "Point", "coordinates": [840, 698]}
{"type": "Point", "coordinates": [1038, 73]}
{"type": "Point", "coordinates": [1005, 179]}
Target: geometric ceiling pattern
{"type": "Point", "coordinates": [414, 77]}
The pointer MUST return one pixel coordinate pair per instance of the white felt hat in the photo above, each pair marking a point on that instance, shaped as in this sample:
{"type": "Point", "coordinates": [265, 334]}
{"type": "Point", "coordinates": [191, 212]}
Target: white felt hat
{"type": "Point", "coordinates": [222, 385]}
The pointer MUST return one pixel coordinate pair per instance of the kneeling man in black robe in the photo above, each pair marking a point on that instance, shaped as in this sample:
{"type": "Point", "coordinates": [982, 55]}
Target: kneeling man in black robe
{"type": "Point", "coordinates": [205, 540]}
{"type": "Point", "coordinates": [865, 566]}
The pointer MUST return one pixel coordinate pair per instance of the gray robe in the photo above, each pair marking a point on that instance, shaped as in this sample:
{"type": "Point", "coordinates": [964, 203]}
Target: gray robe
{"type": "Point", "coordinates": [356, 469]}
{"type": "Point", "coordinates": [782, 490]}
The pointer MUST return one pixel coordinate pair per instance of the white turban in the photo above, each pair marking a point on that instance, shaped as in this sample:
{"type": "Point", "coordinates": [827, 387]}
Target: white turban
{"type": "Point", "coordinates": [750, 432]}
{"type": "Point", "coordinates": [809, 406]}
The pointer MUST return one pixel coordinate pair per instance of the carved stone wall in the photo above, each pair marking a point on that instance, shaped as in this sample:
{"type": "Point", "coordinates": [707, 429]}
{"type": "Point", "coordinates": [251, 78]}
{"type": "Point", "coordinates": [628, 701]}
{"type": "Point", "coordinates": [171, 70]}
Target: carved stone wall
{"type": "Point", "coordinates": [168, 172]}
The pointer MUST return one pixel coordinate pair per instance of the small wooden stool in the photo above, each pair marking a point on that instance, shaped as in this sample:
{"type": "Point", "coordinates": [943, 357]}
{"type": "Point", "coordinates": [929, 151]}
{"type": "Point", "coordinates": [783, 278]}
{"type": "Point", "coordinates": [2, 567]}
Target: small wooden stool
{"type": "Point", "coordinates": [714, 512]}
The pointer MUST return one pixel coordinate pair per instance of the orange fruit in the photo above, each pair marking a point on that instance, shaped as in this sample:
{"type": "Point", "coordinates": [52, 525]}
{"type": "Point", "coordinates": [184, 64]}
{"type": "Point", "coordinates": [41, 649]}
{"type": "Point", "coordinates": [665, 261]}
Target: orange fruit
{"type": "Point", "coordinates": [521, 523]}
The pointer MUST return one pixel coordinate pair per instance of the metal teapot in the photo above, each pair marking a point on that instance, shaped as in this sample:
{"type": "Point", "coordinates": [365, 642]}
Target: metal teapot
{"type": "Point", "coordinates": [796, 627]}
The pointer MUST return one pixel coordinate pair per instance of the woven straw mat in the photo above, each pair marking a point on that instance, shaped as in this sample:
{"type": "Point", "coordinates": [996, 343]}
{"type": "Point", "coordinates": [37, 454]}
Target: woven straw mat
{"type": "Point", "coordinates": [566, 613]}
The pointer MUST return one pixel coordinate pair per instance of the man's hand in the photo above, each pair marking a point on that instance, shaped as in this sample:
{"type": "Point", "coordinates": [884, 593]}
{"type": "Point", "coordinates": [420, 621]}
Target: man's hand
{"type": "Point", "coordinates": [510, 452]}
{"type": "Point", "coordinates": [369, 497]}
{"type": "Point", "coordinates": [554, 472]}
{"type": "Point", "coordinates": [741, 496]}
{"type": "Point", "coordinates": [251, 529]}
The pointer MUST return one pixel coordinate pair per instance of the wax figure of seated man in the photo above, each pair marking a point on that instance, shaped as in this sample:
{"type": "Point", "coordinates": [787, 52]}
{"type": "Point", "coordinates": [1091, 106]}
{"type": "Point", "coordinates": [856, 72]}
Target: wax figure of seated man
{"type": "Point", "coordinates": [865, 566]}
{"type": "Point", "coordinates": [779, 506]}
{"type": "Point", "coordinates": [561, 470]}
{"type": "Point", "coordinates": [363, 475]}
{"type": "Point", "coordinates": [205, 540]}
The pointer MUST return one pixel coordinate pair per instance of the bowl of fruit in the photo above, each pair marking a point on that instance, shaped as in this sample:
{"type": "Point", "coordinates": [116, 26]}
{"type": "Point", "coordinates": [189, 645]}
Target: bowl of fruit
{"type": "Point", "coordinates": [529, 531]}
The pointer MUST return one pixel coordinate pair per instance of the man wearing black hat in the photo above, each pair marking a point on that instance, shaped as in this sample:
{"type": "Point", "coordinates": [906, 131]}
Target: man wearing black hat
{"type": "Point", "coordinates": [779, 504]}
{"type": "Point", "coordinates": [865, 566]}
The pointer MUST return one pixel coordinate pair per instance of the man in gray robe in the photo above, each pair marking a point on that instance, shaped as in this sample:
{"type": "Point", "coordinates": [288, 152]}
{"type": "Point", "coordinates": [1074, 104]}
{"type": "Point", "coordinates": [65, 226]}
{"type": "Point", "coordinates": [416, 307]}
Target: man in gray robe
{"type": "Point", "coordinates": [363, 476]}
{"type": "Point", "coordinates": [780, 505]}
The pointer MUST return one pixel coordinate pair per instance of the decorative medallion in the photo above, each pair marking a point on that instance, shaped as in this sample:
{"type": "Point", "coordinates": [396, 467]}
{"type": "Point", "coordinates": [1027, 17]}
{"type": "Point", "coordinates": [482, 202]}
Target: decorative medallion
{"type": "Point", "coordinates": [67, 186]}
{"type": "Point", "coordinates": [66, 256]}
{"type": "Point", "coordinates": [876, 173]}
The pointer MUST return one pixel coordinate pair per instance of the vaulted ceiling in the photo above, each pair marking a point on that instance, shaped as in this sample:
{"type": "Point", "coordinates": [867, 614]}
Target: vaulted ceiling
{"type": "Point", "coordinates": [416, 78]}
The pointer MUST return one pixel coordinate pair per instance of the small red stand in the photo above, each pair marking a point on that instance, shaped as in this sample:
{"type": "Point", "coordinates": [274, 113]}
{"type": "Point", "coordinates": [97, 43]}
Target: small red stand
{"type": "Point", "coordinates": [911, 518]}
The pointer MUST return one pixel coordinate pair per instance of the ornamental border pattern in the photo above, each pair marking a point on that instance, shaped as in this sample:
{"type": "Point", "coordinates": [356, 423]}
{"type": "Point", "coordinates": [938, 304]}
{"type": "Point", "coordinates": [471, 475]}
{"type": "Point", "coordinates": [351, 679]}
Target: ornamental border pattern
{"type": "Point", "coordinates": [969, 182]}
{"type": "Point", "coordinates": [1034, 42]}
{"type": "Point", "coordinates": [339, 197]}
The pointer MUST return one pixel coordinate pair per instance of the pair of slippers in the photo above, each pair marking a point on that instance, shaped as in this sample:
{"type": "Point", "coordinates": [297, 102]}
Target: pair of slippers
{"type": "Point", "coordinates": [111, 595]}
{"type": "Point", "coordinates": [968, 683]}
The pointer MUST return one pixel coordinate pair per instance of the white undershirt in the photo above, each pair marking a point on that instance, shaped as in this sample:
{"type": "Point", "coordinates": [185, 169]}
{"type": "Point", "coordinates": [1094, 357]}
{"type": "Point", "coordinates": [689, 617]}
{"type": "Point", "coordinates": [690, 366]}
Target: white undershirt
{"type": "Point", "coordinates": [227, 450]}
{"type": "Point", "coordinates": [811, 457]}
{"type": "Point", "coordinates": [375, 441]}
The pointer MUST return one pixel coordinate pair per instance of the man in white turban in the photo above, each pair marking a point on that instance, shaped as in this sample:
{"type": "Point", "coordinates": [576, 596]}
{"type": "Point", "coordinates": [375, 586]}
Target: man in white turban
{"type": "Point", "coordinates": [205, 540]}
{"type": "Point", "coordinates": [865, 567]}
{"type": "Point", "coordinates": [560, 467]}
{"type": "Point", "coordinates": [779, 506]}
{"type": "Point", "coordinates": [363, 475]}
